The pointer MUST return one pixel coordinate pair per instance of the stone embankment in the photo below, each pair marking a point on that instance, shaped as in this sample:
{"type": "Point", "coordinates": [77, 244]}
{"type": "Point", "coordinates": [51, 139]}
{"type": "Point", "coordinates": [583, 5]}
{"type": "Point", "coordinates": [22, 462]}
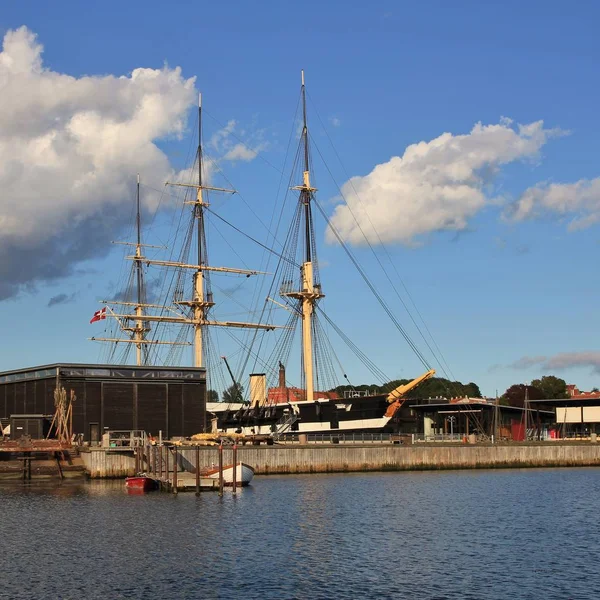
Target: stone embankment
{"type": "Point", "coordinates": [338, 458]}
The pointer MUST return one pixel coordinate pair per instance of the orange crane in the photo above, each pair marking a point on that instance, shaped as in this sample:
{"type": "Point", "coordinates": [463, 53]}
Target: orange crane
{"type": "Point", "coordinates": [397, 396]}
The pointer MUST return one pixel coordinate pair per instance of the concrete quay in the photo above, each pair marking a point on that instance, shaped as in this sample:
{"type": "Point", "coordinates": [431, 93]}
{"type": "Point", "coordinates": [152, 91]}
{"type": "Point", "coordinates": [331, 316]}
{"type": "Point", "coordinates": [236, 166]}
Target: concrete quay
{"type": "Point", "coordinates": [336, 458]}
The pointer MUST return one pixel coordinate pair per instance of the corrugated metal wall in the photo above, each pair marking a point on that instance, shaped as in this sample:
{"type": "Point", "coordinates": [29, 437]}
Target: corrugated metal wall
{"type": "Point", "coordinates": [178, 409]}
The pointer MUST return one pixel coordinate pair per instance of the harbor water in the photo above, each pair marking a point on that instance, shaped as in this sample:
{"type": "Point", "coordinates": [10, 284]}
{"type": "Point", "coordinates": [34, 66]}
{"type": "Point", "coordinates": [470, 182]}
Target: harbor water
{"type": "Point", "coordinates": [451, 534]}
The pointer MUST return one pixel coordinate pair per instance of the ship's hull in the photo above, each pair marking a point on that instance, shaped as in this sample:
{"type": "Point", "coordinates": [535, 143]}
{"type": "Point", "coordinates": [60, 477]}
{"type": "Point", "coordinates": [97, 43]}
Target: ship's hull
{"type": "Point", "coordinates": [351, 415]}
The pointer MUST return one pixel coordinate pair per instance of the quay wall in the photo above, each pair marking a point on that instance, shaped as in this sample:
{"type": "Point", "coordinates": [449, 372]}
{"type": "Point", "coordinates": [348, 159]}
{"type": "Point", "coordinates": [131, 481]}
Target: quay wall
{"type": "Point", "coordinates": [101, 464]}
{"type": "Point", "coordinates": [357, 458]}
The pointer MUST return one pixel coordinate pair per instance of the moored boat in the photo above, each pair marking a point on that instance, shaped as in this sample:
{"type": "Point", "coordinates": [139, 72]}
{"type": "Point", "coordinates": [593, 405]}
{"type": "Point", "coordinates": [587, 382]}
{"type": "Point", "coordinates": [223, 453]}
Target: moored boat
{"type": "Point", "coordinates": [243, 474]}
{"type": "Point", "coordinates": [141, 483]}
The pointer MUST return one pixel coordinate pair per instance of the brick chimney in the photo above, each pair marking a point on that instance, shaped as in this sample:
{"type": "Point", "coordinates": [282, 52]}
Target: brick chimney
{"type": "Point", "coordinates": [281, 375]}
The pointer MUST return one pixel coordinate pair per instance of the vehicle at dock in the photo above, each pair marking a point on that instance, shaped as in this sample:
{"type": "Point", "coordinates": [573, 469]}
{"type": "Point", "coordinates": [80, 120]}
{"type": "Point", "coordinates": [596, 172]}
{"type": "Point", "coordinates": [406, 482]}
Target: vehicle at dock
{"type": "Point", "coordinates": [141, 483]}
{"type": "Point", "coordinates": [243, 474]}
{"type": "Point", "coordinates": [356, 412]}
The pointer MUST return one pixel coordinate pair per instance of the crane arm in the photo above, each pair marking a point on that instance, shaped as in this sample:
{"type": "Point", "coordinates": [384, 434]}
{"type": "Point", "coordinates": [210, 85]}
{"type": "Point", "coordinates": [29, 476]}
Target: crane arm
{"type": "Point", "coordinates": [397, 396]}
{"type": "Point", "coordinates": [236, 387]}
{"type": "Point", "coordinates": [402, 390]}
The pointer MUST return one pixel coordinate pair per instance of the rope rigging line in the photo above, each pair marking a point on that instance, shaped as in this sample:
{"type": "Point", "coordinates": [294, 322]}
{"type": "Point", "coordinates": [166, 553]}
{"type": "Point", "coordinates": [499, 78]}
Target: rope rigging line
{"type": "Point", "coordinates": [371, 366]}
{"type": "Point", "coordinates": [377, 295]}
{"type": "Point", "coordinates": [441, 360]}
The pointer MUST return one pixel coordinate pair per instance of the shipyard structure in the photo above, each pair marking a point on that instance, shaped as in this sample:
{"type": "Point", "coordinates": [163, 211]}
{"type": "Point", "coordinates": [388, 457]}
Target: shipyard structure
{"type": "Point", "coordinates": [166, 401]}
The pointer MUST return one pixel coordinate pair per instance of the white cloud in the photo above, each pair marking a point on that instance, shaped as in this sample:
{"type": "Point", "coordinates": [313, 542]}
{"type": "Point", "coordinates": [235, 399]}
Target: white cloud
{"type": "Point", "coordinates": [69, 151]}
{"type": "Point", "coordinates": [222, 141]}
{"type": "Point", "coordinates": [563, 360]}
{"type": "Point", "coordinates": [335, 121]}
{"type": "Point", "coordinates": [580, 201]}
{"type": "Point", "coordinates": [220, 137]}
{"type": "Point", "coordinates": [434, 186]}
{"type": "Point", "coordinates": [240, 152]}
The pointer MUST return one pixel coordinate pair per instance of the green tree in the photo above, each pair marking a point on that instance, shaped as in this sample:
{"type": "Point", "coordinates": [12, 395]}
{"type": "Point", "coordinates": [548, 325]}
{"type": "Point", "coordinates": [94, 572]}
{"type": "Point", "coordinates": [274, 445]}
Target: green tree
{"type": "Point", "coordinates": [515, 394]}
{"type": "Point", "coordinates": [212, 396]}
{"type": "Point", "coordinates": [436, 387]}
{"type": "Point", "coordinates": [552, 387]}
{"type": "Point", "coordinates": [234, 393]}
{"type": "Point", "coordinates": [472, 390]}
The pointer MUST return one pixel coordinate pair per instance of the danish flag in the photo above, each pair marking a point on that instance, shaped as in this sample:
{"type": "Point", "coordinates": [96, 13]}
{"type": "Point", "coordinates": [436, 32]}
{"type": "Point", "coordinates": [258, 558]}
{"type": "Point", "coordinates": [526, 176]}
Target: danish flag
{"type": "Point", "coordinates": [99, 315]}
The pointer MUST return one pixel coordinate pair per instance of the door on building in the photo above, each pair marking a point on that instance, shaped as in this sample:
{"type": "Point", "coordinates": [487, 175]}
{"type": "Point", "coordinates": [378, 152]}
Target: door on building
{"type": "Point", "coordinates": [94, 434]}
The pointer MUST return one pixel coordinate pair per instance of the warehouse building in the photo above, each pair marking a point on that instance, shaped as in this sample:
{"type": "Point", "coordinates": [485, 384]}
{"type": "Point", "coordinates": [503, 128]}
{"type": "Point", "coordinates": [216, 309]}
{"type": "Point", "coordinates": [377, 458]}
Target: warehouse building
{"type": "Point", "coordinates": [110, 397]}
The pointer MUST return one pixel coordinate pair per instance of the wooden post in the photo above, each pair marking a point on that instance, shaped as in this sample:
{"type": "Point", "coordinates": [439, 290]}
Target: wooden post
{"type": "Point", "coordinates": [234, 469]}
{"type": "Point", "coordinates": [174, 469]}
{"type": "Point", "coordinates": [57, 457]}
{"type": "Point", "coordinates": [220, 469]}
{"type": "Point", "coordinates": [154, 460]}
{"type": "Point", "coordinates": [197, 470]}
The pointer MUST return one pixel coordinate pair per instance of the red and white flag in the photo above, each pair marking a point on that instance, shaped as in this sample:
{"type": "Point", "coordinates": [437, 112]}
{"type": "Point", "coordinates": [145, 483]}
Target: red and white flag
{"type": "Point", "coordinates": [99, 315]}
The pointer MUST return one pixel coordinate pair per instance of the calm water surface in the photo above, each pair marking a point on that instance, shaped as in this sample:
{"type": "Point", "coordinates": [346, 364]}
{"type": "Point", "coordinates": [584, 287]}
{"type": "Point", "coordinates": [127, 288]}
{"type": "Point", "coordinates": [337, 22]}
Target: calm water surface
{"type": "Point", "coordinates": [462, 534]}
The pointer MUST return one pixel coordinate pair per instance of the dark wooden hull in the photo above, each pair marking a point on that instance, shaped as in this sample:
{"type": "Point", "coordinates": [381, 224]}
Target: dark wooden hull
{"type": "Point", "coordinates": [348, 415]}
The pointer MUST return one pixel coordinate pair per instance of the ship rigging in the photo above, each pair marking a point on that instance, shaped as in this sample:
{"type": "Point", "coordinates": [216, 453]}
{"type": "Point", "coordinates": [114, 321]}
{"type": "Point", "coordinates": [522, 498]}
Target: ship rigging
{"type": "Point", "coordinates": [316, 404]}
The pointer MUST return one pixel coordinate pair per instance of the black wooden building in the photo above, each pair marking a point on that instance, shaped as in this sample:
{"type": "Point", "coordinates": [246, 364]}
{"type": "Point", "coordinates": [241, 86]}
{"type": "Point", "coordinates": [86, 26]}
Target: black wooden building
{"type": "Point", "coordinates": [153, 399]}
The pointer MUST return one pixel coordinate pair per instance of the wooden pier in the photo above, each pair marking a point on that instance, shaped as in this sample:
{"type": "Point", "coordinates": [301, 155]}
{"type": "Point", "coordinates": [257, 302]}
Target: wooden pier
{"type": "Point", "coordinates": [174, 473]}
{"type": "Point", "coordinates": [29, 459]}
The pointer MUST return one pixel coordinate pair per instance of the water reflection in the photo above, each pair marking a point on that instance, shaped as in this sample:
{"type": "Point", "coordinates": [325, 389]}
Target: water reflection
{"type": "Point", "coordinates": [471, 534]}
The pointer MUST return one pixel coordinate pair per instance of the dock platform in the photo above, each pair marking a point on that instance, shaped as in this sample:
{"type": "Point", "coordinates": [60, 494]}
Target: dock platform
{"type": "Point", "coordinates": [186, 482]}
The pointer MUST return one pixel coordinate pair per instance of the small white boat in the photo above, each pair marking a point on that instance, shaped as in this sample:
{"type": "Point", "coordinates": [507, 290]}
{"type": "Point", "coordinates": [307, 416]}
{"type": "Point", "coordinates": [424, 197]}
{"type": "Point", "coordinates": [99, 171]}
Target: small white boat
{"type": "Point", "coordinates": [244, 473]}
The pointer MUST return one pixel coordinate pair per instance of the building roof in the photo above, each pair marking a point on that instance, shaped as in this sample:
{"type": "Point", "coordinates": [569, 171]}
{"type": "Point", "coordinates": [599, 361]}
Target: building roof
{"type": "Point", "coordinates": [101, 370]}
{"type": "Point", "coordinates": [454, 407]}
{"type": "Point", "coordinates": [574, 401]}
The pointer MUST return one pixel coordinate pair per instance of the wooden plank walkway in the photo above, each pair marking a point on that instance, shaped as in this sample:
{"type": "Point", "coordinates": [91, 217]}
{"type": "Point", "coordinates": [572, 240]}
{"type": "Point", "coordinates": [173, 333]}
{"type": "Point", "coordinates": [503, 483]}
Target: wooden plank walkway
{"type": "Point", "coordinates": [186, 482]}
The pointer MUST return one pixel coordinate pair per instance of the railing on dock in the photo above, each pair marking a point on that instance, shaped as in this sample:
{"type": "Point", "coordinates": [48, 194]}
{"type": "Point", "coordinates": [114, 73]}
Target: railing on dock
{"type": "Point", "coordinates": [440, 437]}
{"type": "Point", "coordinates": [346, 438]}
{"type": "Point", "coordinates": [125, 439]}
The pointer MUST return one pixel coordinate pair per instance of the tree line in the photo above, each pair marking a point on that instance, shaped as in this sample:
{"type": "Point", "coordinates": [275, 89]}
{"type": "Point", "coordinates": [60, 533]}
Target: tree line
{"type": "Point", "coordinates": [436, 387]}
{"type": "Point", "coordinates": [547, 387]}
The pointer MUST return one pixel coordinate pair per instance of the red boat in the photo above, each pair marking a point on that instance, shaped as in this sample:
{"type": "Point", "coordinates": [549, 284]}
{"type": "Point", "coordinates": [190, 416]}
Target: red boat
{"type": "Point", "coordinates": [141, 483]}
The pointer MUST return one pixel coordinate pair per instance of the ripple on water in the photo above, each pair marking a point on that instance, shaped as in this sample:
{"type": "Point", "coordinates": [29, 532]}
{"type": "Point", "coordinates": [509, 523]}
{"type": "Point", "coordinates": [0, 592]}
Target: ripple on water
{"type": "Point", "coordinates": [468, 534]}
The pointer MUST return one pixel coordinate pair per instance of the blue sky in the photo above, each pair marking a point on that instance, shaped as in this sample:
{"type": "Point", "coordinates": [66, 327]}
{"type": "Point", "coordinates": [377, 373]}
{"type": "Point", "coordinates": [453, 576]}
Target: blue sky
{"type": "Point", "coordinates": [506, 298]}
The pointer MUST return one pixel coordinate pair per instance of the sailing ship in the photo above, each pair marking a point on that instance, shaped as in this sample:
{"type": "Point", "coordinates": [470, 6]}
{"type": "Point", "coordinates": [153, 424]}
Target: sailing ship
{"type": "Point", "coordinates": [280, 409]}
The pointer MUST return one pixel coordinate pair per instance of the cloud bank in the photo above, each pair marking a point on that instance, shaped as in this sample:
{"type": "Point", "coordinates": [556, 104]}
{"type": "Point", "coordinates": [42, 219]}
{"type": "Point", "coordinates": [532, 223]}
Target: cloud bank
{"type": "Point", "coordinates": [434, 186]}
{"type": "Point", "coordinates": [564, 360]}
{"type": "Point", "coordinates": [69, 152]}
{"type": "Point", "coordinates": [61, 299]}
{"type": "Point", "coordinates": [579, 201]}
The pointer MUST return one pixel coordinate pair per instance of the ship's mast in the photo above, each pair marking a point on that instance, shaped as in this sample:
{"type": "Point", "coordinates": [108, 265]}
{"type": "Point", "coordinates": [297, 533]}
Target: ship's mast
{"type": "Point", "coordinates": [199, 305]}
{"type": "Point", "coordinates": [139, 331]}
{"type": "Point", "coordinates": [201, 302]}
{"type": "Point", "coordinates": [202, 298]}
{"type": "Point", "coordinates": [309, 294]}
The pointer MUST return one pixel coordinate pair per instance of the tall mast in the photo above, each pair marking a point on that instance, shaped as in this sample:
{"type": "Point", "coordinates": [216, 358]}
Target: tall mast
{"type": "Point", "coordinates": [202, 298]}
{"type": "Point", "coordinates": [200, 307]}
{"type": "Point", "coordinates": [200, 303]}
{"type": "Point", "coordinates": [138, 332]}
{"type": "Point", "coordinates": [308, 294]}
